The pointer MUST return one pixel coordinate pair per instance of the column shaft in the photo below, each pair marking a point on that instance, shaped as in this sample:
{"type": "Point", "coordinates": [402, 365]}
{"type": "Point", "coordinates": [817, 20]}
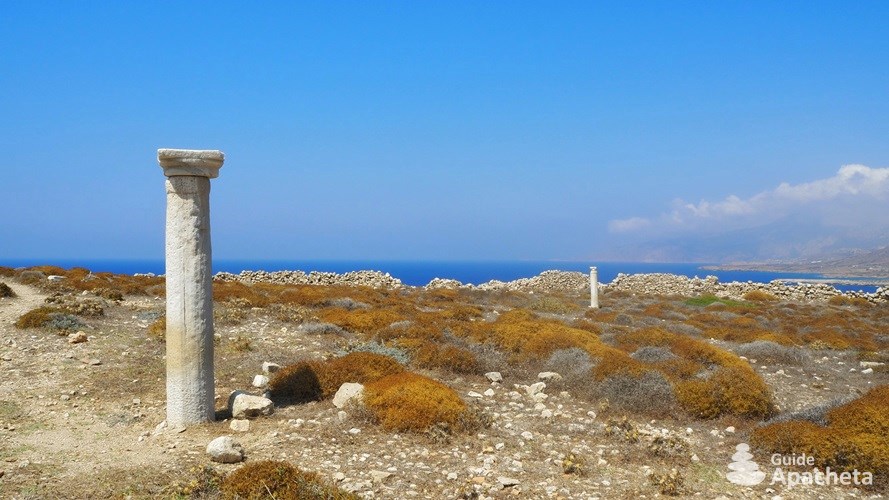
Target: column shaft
{"type": "Point", "coordinates": [190, 383]}
{"type": "Point", "coordinates": [594, 288]}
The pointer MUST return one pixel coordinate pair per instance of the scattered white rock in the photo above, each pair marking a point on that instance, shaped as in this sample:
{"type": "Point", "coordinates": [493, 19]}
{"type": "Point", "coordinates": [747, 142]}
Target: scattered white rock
{"type": "Point", "coordinates": [549, 376]}
{"type": "Point", "coordinates": [535, 388]}
{"type": "Point", "coordinates": [226, 450]}
{"type": "Point", "coordinates": [506, 482]}
{"type": "Point", "coordinates": [239, 425]}
{"type": "Point", "coordinates": [527, 436]}
{"type": "Point", "coordinates": [348, 393]}
{"type": "Point", "coordinates": [867, 371]}
{"type": "Point", "coordinates": [260, 381]}
{"type": "Point", "coordinates": [474, 394]}
{"type": "Point", "coordinates": [489, 392]}
{"type": "Point", "coordinates": [245, 405]}
{"type": "Point", "coordinates": [378, 476]}
{"type": "Point", "coordinates": [730, 429]}
{"type": "Point", "coordinates": [54, 277]}
{"type": "Point", "coordinates": [77, 338]}
{"type": "Point", "coordinates": [269, 367]}
{"type": "Point", "coordinates": [494, 377]}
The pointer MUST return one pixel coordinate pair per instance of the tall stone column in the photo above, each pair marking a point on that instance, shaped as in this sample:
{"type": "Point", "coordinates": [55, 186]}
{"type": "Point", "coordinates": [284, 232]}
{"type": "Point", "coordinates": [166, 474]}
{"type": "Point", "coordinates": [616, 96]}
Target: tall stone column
{"type": "Point", "coordinates": [594, 288]}
{"type": "Point", "coordinates": [190, 383]}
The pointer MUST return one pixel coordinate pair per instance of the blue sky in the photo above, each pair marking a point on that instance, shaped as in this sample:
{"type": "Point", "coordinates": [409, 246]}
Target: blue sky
{"type": "Point", "coordinates": [449, 130]}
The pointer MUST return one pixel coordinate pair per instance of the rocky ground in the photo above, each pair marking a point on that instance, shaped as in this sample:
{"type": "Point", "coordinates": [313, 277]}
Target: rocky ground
{"type": "Point", "coordinates": [81, 420]}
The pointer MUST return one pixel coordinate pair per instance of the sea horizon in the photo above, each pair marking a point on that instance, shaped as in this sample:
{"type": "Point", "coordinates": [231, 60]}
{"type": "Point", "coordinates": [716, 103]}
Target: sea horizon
{"type": "Point", "coordinates": [420, 272]}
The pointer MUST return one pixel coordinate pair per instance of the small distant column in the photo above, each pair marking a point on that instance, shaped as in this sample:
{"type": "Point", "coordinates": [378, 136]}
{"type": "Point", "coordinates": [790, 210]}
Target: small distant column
{"type": "Point", "coordinates": [594, 287]}
{"type": "Point", "coordinates": [189, 337]}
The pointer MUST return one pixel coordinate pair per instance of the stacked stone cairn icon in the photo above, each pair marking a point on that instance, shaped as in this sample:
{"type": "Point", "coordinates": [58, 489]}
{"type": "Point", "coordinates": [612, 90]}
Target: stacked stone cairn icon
{"type": "Point", "coordinates": [745, 472]}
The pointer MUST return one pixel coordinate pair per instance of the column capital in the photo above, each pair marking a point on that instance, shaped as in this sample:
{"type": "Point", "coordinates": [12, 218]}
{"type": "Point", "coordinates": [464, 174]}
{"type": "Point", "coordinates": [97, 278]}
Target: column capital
{"type": "Point", "coordinates": [191, 162]}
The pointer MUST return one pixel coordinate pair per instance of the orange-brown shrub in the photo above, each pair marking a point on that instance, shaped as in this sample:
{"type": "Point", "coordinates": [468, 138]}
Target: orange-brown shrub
{"type": "Point", "coordinates": [361, 321]}
{"type": "Point", "coordinates": [7, 272]}
{"type": "Point", "coordinates": [158, 329]}
{"type": "Point", "coordinates": [446, 357]}
{"type": "Point", "coordinates": [411, 402]}
{"type": "Point", "coordinates": [279, 480]}
{"type": "Point", "coordinates": [854, 438]}
{"type": "Point", "coordinates": [760, 296]}
{"type": "Point", "coordinates": [37, 318]}
{"type": "Point", "coordinates": [226, 291]}
{"type": "Point", "coordinates": [5, 291]}
{"type": "Point", "coordinates": [315, 380]}
{"type": "Point", "coordinates": [732, 387]}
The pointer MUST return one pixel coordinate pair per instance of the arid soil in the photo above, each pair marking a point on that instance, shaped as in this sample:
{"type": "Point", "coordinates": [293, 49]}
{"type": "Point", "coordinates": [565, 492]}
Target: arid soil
{"type": "Point", "coordinates": [80, 420]}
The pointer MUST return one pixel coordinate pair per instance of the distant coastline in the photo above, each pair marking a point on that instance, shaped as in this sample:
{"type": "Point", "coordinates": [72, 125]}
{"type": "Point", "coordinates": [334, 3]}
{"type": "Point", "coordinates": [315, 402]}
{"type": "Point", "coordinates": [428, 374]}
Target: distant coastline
{"type": "Point", "coordinates": [827, 271]}
{"type": "Point", "coordinates": [419, 273]}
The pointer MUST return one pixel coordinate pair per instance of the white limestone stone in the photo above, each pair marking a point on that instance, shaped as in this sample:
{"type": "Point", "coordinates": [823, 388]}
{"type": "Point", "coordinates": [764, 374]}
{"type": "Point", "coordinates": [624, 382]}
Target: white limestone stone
{"type": "Point", "coordinates": [347, 393]}
{"type": "Point", "coordinates": [226, 450]}
{"type": "Point", "coordinates": [245, 405]}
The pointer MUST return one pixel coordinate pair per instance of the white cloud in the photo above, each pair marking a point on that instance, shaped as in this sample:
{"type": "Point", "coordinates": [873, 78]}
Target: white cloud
{"type": "Point", "coordinates": [628, 225]}
{"type": "Point", "coordinates": [851, 184]}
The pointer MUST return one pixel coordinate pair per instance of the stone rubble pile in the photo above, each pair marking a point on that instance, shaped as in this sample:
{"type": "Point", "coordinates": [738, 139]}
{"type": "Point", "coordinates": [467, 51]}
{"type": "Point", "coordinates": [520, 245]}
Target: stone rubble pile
{"type": "Point", "coordinates": [573, 282]}
{"type": "Point", "coordinates": [373, 279]}
{"type": "Point", "coordinates": [671, 284]}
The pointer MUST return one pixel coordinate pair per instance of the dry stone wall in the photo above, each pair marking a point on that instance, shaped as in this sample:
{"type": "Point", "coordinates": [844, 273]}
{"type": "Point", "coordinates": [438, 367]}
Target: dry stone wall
{"type": "Point", "coordinates": [572, 282]}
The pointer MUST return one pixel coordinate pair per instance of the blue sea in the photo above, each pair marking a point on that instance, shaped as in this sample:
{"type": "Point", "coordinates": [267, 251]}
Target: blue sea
{"type": "Point", "coordinates": [417, 273]}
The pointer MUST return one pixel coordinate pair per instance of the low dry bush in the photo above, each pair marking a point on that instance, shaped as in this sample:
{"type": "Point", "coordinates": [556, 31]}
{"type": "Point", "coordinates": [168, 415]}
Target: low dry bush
{"type": "Point", "coordinates": [854, 437]}
{"type": "Point", "coordinates": [411, 402]}
{"type": "Point", "coordinates": [229, 315]}
{"type": "Point", "coordinates": [816, 414]}
{"type": "Point", "coordinates": [571, 363]}
{"type": "Point", "coordinates": [31, 277]}
{"type": "Point", "coordinates": [760, 296]}
{"type": "Point", "coordinates": [708, 381]}
{"type": "Point", "coordinates": [772, 352]}
{"type": "Point", "coordinates": [553, 305]}
{"type": "Point", "coordinates": [37, 318]}
{"type": "Point", "coordinates": [109, 294]}
{"type": "Point", "coordinates": [379, 348]}
{"type": "Point", "coordinates": [279, 480]}
{"type": "Point", "coordinates": [445, 357]}
{"type": "Point", "coordinates": [653, 354]}
{"type": "Point", "coordinates": [320, 328]}
{"type": "Point", "coordinates": [227, 291]}
{"type": "Point", "coordinates": [527, 338]}
{"type": "Point", "coordinates": [158, 329]}
{"type": "Point", "coordinates": [649, 393]}
{"type": "Point", "coordinates": [361, 321]}
{"type": "Point", "coordinates": [289, 313]}
{"type": "Point", "coordinates": [5, 291]}
{"type": "Point", "coordinates": [346, 303]}
{"type": "Point", "coordinates": [315, 380]}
